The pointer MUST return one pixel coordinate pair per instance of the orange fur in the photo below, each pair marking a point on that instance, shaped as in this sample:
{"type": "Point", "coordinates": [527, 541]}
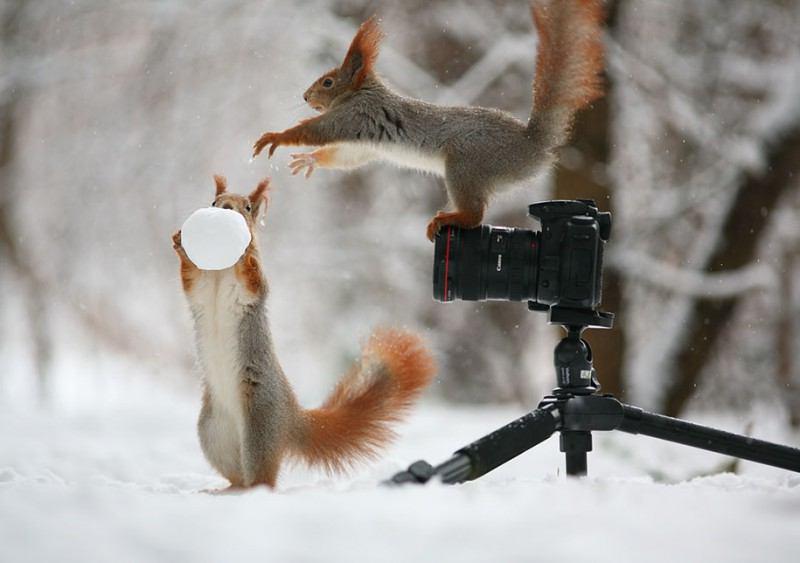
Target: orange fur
{"type": "Point", "coordinates": [460, 218]}
{"type": "Point", "coordinates": [248, 272]}
{"type": "Point", "coordinates": [221, 184]}
{"type": "Point", "coordinates": [351, 425]}
{"type": "Point", "coordinates": [326, 155]}
{"type": "Point", "coordinates": [300, 134]}
{"type": "Point", "coordinates": [355, 420]}
{"type": "Point", "coordinates": [363, 51]}
{"type": "Point", "coordinates": [261, 193]}
{"type": "Point", "coordinates": [357, 65]}
{"type": "Point", "coordinates": [248, 268]}
{"type": "Point", "coordinates": [570, 54]}
{"type": "Point", "coordinates": [189, 272]}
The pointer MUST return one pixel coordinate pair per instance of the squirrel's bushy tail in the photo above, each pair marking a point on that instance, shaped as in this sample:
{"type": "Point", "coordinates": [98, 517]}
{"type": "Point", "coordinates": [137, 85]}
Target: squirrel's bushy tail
{"type": "Point", "coordinates": [569, 62]}
{"type": "Point", "coordinates": [355, 421]}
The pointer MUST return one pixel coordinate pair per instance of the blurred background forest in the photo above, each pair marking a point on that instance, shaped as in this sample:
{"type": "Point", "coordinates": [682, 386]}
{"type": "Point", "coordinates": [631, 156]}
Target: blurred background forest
{"type": "Point", "coordinates": [115, 115]}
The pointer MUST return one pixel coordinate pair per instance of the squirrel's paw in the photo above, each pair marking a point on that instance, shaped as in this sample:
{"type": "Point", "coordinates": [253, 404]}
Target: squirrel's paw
{"type": "Point", "coordinates": [460, 219]}
{"type": "Point", "coordinates": [300, 160]}
{"type": "Point", "coordinates": [436, 225]}
{"type": "Point", "coordinates": [266, 139]}
{"type": "Point", "coordinates": [178, 247]}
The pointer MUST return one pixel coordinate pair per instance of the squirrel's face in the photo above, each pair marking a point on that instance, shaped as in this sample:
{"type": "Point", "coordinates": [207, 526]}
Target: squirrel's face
{"type": "Point", "coordinates": [326, 89]}
{"type": "Point", "coordinates": [250, 206]}
{"type": "Point", "coordinates": [237, 203]}
{"type": "Point", "coordinates": [336, 84]}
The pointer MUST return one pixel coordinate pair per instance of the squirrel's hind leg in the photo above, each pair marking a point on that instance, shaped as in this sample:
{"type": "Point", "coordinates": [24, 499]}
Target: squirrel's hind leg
{"type": "Point", "coordinates": [470, 206]}
{"type": "Point", "coordinates": [464, 219]}
{"type": "Point", "coordinates": [267, 474]}
{"type": "Point", "coordinates": [264, 440]}
{"type": "Point", "coordinates": [219, 441]}
{"type": "Point", "coordinates": [468, 188]}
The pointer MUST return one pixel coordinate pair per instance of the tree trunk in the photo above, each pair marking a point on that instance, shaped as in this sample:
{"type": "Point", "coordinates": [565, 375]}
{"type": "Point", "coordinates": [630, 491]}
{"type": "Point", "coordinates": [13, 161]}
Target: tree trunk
{"type": "Point", "coordinates": [10, 250]}
{"type": "Point", "coordinates": [582, 176]}
{"type": "Point", "coordinates": [747, 220]}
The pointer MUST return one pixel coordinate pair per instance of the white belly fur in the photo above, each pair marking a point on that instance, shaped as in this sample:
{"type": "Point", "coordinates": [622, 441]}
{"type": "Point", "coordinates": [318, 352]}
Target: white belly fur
{"type": "Point", "coordinates": [406, 157]}
{"type": "Point", "coordinates": [218, 302]}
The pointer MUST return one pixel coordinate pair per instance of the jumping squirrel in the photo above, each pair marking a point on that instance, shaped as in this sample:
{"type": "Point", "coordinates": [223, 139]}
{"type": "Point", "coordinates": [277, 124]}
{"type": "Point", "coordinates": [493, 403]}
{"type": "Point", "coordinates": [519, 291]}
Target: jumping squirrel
{"type": "Point", "coordinates": [479, 151]}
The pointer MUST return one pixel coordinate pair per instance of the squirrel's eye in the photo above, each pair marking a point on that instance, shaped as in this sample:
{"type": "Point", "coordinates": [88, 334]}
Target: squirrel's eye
{"type": "Point", "coordinates": [248, 208]}
{"type": "Point", "coordinates": [327, 83]}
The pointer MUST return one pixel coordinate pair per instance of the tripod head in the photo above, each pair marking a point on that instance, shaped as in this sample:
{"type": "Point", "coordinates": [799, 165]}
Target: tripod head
{"type": "Point", "coordinates": [568, 317]}
{"type": "Point", "coordinates": [573, 355]}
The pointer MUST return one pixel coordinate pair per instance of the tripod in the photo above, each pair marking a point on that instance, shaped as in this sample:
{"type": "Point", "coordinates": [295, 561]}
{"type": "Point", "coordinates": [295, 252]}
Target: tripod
{"type": "Point", "coordinates": [575, 409]}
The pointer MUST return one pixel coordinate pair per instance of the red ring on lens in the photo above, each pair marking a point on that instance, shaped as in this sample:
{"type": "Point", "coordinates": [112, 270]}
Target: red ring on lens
{"type": "Point", "coordinates": [446, 262]}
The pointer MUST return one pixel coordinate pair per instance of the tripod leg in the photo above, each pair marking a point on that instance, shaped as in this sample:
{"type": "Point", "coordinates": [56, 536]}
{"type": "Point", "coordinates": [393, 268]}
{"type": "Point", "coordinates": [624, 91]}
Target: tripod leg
{"type": "Point", "coordinates": [489, 452]}
{"type": "Point", "coordinates": [576, 464]}
{"type": "Point", "coordinates": [508, 442]}
{"type": "Point", "coordinates": [638, 421]}
{"type": "Point", "coordinates": [575, 445]}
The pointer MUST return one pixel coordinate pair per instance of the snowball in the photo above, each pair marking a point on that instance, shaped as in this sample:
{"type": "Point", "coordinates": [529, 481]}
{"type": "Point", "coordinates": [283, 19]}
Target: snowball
{"type": "Point", "coordinates": [215, 238]}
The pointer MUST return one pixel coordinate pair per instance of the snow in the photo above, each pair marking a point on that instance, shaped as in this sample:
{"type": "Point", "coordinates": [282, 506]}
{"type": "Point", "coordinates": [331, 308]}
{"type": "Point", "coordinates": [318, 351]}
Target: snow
{"type": "Point", "coordinates": [112, 470]}
{"type": "Point", "coordinates": [215, 238]}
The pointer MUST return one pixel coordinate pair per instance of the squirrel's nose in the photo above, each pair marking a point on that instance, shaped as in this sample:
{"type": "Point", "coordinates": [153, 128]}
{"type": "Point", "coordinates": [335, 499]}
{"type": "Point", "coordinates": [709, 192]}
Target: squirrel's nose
{"type": "Point", "coordinates": [305, 96]}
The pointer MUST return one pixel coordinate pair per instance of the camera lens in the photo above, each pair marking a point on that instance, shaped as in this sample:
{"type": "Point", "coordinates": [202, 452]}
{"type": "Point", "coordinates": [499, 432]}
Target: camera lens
{"type": "Point", "coordinates": [485, 263]}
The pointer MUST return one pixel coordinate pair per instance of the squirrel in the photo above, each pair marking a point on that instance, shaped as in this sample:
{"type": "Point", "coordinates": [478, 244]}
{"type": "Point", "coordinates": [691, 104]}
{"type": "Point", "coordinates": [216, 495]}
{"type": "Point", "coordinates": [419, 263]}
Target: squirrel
{"type": "Point", "coordinates": [250, 420]}
{"type": "Point", "coordinates": [478, 150]}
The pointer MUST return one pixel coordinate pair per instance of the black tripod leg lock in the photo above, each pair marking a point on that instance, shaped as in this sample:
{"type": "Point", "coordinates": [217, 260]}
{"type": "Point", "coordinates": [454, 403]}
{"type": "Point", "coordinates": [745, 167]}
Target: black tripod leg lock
{"type": "Point", "coordinates": [590, 413]}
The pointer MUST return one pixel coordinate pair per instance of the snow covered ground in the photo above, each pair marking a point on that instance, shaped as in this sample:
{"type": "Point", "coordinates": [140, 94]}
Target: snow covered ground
{"type": "Point", "coordinates": [112, 471]}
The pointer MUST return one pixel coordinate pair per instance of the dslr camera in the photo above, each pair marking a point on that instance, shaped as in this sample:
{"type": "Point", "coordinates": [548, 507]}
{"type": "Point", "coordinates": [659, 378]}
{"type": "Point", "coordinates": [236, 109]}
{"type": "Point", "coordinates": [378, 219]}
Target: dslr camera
{"type": "Point", "coordinates": [556, 269]}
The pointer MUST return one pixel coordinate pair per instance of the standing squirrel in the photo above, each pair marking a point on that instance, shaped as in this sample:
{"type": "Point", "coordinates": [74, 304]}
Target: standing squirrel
{"type": "Point", "coordinates": [477, 150]}
{"type": "Point", "coordinates": [250, 420]}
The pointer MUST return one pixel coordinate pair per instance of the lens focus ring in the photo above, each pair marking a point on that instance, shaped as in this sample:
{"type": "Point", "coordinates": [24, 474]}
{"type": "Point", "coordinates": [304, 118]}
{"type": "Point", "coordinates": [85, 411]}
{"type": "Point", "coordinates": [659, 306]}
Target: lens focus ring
{"type": "Point", "coordinates": [485, 263]}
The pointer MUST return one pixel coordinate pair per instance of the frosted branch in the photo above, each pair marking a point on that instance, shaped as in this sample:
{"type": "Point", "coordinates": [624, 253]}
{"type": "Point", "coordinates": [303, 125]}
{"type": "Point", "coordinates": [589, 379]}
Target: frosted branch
{"type": "Point", "coordinates": [692, 283]}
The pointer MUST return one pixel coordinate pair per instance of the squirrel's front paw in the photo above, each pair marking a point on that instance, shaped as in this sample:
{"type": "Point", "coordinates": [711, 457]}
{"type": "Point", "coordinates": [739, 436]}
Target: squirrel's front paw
{"type": "Point", "coordinates": [176, 241]}
{"type": "Point", "coordinates": [266, 139]}
{"type": "Point", "coordinates": [300, 160]}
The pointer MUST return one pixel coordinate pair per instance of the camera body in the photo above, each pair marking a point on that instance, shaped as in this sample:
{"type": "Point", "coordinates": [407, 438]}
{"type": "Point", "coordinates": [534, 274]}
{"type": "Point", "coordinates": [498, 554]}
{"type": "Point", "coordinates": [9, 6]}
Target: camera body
{"type": "Point", "coordinates": [559, 266]}
{"type": "Point", "coordinates": [572, 239]}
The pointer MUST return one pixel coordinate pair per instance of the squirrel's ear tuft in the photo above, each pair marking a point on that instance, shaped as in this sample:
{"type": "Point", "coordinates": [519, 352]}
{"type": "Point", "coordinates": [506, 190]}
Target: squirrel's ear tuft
{"type": "Point", "coordinates": [260, 194]}
{"type": "Point", "coordinates": [363, 51]}
{"type": "Point", "coordinates": [222, 184]}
